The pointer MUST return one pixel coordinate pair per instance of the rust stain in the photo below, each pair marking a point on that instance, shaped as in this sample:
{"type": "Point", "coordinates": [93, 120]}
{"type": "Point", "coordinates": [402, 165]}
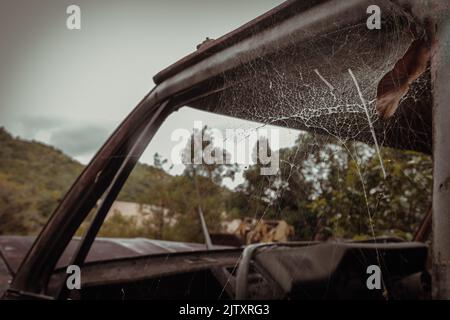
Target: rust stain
{"type": "Point", "coordinates": [395, 84]}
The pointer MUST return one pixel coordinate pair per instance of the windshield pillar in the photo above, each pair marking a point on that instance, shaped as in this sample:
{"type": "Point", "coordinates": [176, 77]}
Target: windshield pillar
{"type": "Point", "coordinates": [441, 166]}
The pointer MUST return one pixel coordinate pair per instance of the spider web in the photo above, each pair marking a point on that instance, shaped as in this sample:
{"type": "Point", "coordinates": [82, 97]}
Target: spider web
{"type": "Point", "coordinates": [328, 85]}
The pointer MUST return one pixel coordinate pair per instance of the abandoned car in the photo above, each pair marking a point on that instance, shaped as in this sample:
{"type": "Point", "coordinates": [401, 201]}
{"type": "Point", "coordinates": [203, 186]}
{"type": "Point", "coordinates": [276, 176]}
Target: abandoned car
{"type": "Point", "coordinates": [308, 65]}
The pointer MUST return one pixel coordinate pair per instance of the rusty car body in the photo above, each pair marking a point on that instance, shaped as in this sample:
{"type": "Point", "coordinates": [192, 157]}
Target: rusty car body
{"type": "Point", "coordinates": [208, 79]}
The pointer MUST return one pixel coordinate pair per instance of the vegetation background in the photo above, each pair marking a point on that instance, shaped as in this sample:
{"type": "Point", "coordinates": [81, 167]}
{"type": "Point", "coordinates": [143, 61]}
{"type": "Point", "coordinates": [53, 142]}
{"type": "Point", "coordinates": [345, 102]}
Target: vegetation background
{"type": "Point", "coordinates": [324, 189]}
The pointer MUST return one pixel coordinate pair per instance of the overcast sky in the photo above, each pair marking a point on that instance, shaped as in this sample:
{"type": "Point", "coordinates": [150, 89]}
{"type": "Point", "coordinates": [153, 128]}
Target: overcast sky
{"type": "Point", "coordinates": [71, 88]}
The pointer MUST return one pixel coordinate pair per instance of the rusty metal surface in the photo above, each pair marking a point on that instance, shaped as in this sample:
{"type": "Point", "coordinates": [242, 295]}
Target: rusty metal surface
{"type": "Point", "coordinates": [299, 28]}
{"type": "Point", "coordinates": [264, 21]}
{"type": "Point", "coordinates": [441, 161]}
{"type": "Point", "coordinates": [14, 248]}
{"type": "Point", "coordinates": [133, 269]}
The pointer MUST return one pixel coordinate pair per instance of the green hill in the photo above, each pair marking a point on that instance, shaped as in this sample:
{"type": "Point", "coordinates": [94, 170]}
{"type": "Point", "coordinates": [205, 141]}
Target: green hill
{"type": "Point", "coordinates": [34, 177]}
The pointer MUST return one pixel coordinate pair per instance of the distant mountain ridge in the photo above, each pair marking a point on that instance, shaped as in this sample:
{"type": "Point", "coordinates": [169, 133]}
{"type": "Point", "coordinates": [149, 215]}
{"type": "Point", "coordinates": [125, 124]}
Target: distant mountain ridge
{"type": "Point", "coordinates": [35, 176]}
